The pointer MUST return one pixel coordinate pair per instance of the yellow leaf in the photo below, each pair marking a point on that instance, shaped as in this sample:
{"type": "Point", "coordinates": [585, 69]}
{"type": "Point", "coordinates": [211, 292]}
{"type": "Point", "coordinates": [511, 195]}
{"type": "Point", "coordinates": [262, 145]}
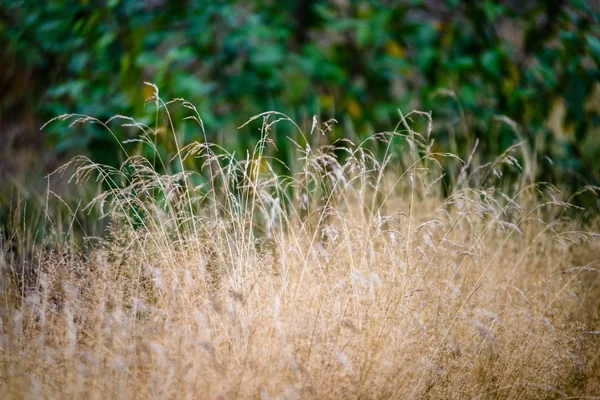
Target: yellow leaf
{"type": "Point", "coordinates": [257, 166]}
{"type": "Point", "coordinates": [392, 48]}
{"type": "Point", "coordinates": [508, 85]}
{"type": "Point", "coordinates": [147, 91]}
{"type": "Point", "coordinates": [513, 71]}
{"type": "Point", "coordinates": [556, 121]}
{"type": "Point", "coordinates": [354, 108]}
{"type": "Point", "coordinates": [326, 101]}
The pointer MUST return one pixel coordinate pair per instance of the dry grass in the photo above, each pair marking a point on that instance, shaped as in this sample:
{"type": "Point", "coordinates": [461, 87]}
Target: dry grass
{"type": "Point", "coordinates": [349, 276]}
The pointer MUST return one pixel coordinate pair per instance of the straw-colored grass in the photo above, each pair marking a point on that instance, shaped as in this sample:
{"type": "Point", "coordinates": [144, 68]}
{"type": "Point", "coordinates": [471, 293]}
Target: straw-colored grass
{"type": "Point", "coordinates": [348, 276]}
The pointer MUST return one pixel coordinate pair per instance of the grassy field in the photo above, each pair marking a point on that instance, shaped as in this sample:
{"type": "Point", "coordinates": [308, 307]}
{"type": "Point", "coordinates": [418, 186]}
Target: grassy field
{"type": "Point", "coordinates": [353, 273]}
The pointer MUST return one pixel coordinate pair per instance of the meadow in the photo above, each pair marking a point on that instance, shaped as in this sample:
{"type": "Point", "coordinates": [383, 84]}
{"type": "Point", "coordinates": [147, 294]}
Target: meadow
{"type": "Point", "coordinates": [351, 271]}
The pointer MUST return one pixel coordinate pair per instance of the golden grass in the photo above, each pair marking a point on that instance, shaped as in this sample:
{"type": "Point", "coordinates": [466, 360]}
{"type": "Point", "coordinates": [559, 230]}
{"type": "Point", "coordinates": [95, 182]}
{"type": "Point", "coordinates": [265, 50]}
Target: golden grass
{"type": "Point", "coordinates": [348, 277]}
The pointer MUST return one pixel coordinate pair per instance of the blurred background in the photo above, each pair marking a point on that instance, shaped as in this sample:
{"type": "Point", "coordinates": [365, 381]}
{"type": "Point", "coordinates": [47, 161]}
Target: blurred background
{"type": "Point", "coordinates": [471, 63]}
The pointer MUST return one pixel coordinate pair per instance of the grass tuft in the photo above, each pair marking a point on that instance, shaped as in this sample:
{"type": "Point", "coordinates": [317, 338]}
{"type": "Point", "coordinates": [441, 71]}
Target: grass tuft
{"type": "Point", "coordinates": [352, 271]}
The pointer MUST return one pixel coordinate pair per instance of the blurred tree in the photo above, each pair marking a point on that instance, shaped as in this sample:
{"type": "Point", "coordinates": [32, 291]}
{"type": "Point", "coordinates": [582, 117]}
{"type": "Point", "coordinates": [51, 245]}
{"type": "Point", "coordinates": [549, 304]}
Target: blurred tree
{"type": "Point", "coordinates": [357, 61]}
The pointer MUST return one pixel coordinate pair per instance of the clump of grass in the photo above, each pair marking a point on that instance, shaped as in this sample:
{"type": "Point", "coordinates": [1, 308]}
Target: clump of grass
{"type": "Point", "coordinates": [347, 273]}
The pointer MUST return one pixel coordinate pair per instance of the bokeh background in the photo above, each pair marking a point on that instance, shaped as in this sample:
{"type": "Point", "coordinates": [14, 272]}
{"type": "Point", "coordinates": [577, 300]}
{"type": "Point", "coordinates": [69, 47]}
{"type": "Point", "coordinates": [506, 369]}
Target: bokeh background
{"type": "Point", "coordinates": [471, 63]}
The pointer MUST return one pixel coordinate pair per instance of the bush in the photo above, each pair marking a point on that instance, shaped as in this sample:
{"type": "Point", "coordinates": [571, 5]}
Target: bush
{"type": "Point", "coordinates": [469, 62]}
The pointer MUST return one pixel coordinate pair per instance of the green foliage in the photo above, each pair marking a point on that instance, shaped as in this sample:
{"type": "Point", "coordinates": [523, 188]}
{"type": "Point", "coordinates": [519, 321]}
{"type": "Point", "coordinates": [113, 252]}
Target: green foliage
{"type": "Point", "coordinates": [355, 61]}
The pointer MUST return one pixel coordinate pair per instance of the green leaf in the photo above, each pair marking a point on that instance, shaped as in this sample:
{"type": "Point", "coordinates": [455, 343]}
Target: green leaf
{"type": "Point", "coordinates": [148, 59]}
{"type": "Point", "coordinates": [425, 57]}
{"type": "Point", "coordinates": [575, 94]}
{"type": "Point", "coordinates": [192, 85]}
{"type": "Point", "coordinates": [463, 63]}
{"type": "Point", "coordinates": [268, 56]}
{"type": "Point", "coordinates": [71, 88]}
{"type": "Point", "coordinates": [78, 62]}
{"type": "Point", "coordinates": [106, 40]}
{"type": "Point", "coordinates": [492, 10]}
{"type": "Point", "coordinates": [490, 61]}
{"type": "Point", "coordinates": [363, 33]}
{"type": "Point", "coordinates": [594, 46]}
{"type": "Point", "coordinates": [181, 54]}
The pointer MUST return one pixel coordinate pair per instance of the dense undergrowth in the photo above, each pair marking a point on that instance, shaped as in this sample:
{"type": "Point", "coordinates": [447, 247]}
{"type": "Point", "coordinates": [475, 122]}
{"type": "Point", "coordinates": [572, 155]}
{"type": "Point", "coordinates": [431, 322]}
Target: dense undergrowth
{"type": "Point", "coordinates": [349, 274]}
